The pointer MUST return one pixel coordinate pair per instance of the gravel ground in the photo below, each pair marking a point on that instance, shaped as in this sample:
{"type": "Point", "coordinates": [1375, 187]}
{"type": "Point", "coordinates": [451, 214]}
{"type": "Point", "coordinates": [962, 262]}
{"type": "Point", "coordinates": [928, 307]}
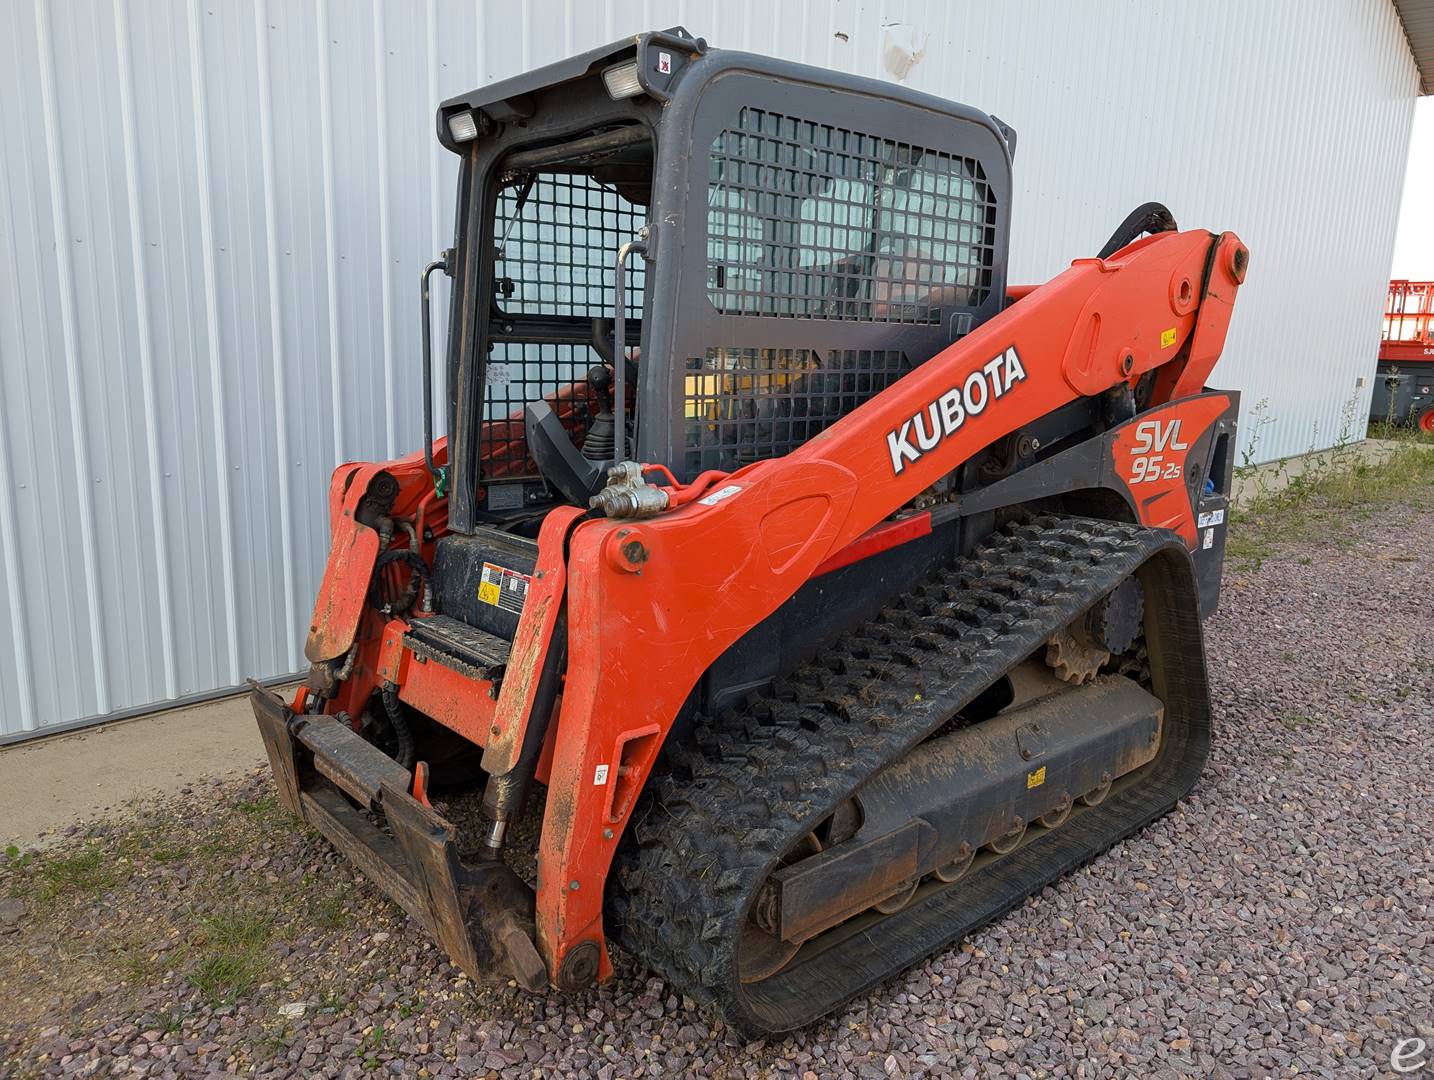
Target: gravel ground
{"type": "Point", "coordinates": [1277, 923]}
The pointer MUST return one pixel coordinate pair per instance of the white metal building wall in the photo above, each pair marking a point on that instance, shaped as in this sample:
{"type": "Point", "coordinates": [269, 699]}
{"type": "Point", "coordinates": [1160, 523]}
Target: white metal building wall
{"type": "Point", "coordinates": [213, 214]}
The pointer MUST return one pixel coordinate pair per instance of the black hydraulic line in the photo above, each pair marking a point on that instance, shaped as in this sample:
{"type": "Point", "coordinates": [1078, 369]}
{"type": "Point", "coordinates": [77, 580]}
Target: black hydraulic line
{"type": "Point", "coordinates": [402, 733]}
{"type": "Point", "coordinates": [1151, 217]}
{"type": "Point", "coordinates": [505, 793]}
{"type": "Point", "coordinates": [421, 575]}
{"type": "Point", "coordinates": [602, 339]}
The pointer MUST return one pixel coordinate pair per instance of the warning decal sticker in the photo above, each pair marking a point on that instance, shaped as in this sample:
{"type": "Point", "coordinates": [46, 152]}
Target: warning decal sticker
{"type": "Point", "coordinates": [503, 588]}
{"type": "Point", "coordinates": [722, 493]}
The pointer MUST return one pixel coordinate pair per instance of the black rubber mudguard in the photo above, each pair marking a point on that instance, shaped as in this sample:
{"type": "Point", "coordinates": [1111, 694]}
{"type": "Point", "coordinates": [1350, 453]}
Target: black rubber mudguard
{"type": "Point", "coordinates": [756, 782]}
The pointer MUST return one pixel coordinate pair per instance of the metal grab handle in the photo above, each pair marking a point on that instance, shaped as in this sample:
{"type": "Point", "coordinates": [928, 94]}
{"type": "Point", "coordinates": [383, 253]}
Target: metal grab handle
{"type": "Point", "coordinates": [619, 345]}
{"type": "Point", "coordinates": [440, 476]}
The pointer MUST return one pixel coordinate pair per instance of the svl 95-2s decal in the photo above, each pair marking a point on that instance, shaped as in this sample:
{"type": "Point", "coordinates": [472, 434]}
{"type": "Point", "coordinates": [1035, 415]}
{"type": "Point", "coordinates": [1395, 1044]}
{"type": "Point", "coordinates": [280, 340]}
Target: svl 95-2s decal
{"type": "Point", "coordinates": [1152, 457]}
{"type": "Point", "coordinates": [1157, 444]}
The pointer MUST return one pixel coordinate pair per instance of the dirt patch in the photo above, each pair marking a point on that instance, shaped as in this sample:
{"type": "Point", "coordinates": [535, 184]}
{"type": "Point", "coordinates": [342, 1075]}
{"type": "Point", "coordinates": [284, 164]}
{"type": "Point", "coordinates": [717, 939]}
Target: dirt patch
{"type": "Point", "coordinates": [47, 785]}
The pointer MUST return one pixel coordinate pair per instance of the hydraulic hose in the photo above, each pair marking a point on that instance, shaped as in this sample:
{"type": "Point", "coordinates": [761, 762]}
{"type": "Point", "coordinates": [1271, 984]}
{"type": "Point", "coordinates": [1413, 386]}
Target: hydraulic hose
{"type": "Point", "coordinates": [505, 793]}
{"type": "Point", "coordinates": [1151, 217]}
{"type": "Point", "coordinates": [414, 561]}
{"type": "Point", "coordinates": [402, 733]}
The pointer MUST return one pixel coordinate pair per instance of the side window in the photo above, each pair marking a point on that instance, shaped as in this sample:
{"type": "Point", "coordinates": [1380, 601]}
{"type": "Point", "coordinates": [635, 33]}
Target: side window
{"type": "Point", "coordinates": [742, 405]}
{"type": "Point", "coordinates": [837, 223]}
{"type": "Point", "coordinates": [808, 220]}
{"type": "Point", "coordinates": [556, 235]}
{"type": "Point", "coordinates": [813, 221]}
{"type": "Point", "coordinates": [932, 230]}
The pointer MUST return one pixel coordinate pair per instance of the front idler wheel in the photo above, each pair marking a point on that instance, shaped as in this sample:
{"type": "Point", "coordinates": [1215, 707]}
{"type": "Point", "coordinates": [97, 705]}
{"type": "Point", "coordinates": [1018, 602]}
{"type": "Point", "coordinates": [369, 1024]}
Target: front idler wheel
{"type": "Point", "coordinates": [761, 952]}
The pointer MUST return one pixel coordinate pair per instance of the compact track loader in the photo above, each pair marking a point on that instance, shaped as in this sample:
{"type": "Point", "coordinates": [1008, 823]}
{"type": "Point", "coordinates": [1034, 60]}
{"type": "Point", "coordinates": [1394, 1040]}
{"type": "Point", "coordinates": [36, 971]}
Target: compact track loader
{"type": "Point", "coordinates": [823, 593]}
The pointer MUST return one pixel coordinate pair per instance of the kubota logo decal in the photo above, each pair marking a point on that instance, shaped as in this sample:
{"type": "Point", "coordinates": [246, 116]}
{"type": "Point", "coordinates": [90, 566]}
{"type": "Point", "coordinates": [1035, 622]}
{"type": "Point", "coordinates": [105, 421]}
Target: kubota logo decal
{"type": "Point", "coordinates": [947, 414]}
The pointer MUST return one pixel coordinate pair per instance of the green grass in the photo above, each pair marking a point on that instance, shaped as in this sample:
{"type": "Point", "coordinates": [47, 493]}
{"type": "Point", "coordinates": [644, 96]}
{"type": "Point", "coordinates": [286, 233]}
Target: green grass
{"type": "Point", "coordinates": [84, 872]}
{"type": "Point", "coordinates": [150, 844]}
{"type": "Point", "coordinates": [372, 1045]}
{"type": "Point", "coordinates": [216, 929]}
{"type": "Point", "coordinates": [137, 962]}
{"type": "Point", "coordinates": [333, 1000]}
{"type": "Point", "coordinates": [1332, 494]}
{"type": "Point", "coordinates": [231, 956]}
{"type": "Point", "coordinates": [169, 1021]}
{"type": "Point", "coordinates": [1295, 721]}
{"type": "Point", "coordinates": [262, 808]}
{"type": "Point", "coordinates": [328, 913]}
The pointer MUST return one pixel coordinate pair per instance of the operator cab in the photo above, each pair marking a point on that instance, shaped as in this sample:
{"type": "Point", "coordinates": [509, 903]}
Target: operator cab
{"type": "Point", "coordinates": [795, 245]}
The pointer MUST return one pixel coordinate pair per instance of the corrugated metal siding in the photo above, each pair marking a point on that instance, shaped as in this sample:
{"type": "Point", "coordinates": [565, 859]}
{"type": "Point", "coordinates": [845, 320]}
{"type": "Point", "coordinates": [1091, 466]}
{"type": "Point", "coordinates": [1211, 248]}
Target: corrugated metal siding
{"type": "Point", "coordinates": [214, 216]}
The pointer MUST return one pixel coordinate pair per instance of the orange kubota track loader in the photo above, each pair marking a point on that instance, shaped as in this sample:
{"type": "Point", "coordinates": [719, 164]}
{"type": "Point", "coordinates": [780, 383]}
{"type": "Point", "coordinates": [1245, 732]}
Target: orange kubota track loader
{"type": "Point", "coordinates": [816, 594]}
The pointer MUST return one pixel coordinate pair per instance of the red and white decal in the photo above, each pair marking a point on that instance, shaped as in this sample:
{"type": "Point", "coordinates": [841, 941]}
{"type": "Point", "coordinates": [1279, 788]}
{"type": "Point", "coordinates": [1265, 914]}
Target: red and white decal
{"type": "Point", "coordinates": [1151, 456]}
{"type": "Point", "coordinates": [1157, 447]}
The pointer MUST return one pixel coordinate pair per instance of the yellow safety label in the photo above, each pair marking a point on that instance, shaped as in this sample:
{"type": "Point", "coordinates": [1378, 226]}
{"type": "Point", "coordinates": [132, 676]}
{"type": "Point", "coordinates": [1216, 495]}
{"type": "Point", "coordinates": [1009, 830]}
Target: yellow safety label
{"type": "Point", "coordinates": [1036, 778]}
{"type": "Point", "coordinates": [505, 589]}
{"type": "Point", "coordinates": [1167, 338]}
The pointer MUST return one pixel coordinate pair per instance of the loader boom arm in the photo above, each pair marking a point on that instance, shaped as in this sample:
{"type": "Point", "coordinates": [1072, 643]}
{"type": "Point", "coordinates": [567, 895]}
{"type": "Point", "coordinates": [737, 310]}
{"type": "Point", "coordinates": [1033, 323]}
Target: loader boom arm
{"type": "Point", "coordinates": [652, 603]}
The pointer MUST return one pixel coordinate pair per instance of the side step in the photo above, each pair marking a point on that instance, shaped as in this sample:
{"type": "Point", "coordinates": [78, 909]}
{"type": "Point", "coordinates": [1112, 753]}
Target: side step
{"type": "Point", "coordinates": [453, 643]}
{"type": "Point", "coordinates": [482, 915]}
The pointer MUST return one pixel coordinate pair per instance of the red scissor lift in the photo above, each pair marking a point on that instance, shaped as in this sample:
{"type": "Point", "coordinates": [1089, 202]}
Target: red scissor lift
{"type": "Point", "coordinates": [1404, 393]}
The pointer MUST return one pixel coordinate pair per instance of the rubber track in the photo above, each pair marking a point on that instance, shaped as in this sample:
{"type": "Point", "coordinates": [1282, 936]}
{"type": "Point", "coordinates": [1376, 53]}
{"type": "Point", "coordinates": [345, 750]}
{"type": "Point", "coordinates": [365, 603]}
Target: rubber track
{"type": "Point", "coordinates": [710, 831]}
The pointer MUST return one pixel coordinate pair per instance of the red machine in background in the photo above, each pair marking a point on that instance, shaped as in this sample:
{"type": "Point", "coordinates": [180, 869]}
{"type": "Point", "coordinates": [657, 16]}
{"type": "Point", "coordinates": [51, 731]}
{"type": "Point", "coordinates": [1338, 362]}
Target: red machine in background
{"type": "Point", "coordinates": [1404, 393]}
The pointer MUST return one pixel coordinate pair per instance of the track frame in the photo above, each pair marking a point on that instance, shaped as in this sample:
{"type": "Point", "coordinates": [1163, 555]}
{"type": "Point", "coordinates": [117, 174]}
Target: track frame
{"type": "Point", "coordinates": [719, 825]}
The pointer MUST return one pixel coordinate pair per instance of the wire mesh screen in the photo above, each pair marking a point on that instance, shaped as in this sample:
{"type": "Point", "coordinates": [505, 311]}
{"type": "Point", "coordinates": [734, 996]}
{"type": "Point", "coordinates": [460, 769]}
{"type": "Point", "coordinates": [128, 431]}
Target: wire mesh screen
{"type": "Point", "coordinates": [518, 373]}
{"type": "Point", "coordinates": [743, 405]}
{"type": "Point", "coordinates": [556, 242]}
{"type": "Point", "coordinates": [808, 220]}
{"type": "Point", "coordinates": [557, 238]}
